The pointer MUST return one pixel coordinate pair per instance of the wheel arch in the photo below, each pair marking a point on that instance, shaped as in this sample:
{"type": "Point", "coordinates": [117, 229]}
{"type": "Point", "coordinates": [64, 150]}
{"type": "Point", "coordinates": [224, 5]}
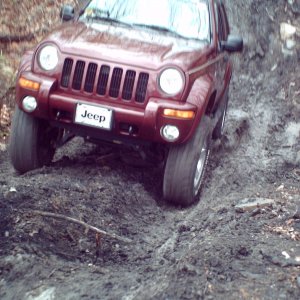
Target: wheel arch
{"type": "Point", "coordinates": [203, 95]}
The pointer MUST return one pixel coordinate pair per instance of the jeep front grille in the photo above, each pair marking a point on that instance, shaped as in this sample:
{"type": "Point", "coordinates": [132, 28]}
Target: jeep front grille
{"type": "Point", "coordinates": [104, 80]}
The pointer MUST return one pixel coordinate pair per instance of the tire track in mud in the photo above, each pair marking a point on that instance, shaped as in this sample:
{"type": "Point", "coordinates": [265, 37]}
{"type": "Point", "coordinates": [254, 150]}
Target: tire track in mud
{"type": "Point", "coordinates": [176, 253]}
{"type": "Point", "coordinates": [247, 155]}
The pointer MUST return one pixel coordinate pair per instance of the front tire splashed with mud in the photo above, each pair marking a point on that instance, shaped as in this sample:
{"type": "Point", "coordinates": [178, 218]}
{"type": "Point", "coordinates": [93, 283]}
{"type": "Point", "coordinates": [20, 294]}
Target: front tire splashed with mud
{"type": "Point", "coordinates": [186, 165]}
{"type": "Point", "coordinates": [32, 143]}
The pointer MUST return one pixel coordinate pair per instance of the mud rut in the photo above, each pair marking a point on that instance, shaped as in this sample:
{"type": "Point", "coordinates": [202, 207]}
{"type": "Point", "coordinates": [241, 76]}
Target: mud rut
{"type": "Point", "coordinates": [208, 251]}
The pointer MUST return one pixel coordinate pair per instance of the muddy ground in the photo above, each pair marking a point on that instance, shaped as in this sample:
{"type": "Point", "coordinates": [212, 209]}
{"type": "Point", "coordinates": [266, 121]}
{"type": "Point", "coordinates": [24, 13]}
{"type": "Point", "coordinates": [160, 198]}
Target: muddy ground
{"type": "Point", "coordinates": [211, 250]}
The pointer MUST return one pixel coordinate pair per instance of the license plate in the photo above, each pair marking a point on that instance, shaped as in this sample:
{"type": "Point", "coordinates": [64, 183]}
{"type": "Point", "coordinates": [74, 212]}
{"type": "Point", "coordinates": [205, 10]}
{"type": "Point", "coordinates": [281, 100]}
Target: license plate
{"type": "Point", "coordinates": [95, 116]}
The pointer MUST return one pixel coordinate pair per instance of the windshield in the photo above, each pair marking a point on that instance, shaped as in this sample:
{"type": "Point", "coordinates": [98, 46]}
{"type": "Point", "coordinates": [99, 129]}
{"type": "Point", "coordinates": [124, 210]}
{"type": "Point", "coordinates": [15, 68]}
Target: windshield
{"type": "Point", "coordinates": [186, 18]}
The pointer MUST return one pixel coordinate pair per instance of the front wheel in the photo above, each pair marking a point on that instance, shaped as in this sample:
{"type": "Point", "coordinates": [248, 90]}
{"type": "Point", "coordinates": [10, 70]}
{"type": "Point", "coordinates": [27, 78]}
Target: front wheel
{"type": "Point", "coordinates": [186, 165]}
{"type": "Point", "coordinates": [32, 142]}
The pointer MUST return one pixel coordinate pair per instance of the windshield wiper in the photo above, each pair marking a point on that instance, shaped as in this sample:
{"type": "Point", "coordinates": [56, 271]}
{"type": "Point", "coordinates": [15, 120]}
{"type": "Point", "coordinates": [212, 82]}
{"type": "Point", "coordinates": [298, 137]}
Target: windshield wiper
{"type": "Point", "coordinates": [109, 20]}
{"type": "Point", "coordinates": [159, 28]}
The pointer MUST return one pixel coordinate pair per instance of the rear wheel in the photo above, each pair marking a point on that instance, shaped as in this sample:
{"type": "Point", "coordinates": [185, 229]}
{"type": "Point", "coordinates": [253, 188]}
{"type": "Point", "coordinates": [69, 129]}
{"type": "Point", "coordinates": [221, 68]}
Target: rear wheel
{"type": "Point", "coordinates": [32, 142]}
{"type": "Point", "coordinates": [185, 167]}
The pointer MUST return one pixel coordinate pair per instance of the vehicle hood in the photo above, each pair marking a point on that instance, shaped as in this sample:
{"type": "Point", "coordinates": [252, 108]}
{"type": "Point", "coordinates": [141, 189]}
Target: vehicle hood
{"type": "Point", "coordinates": [127, 45]}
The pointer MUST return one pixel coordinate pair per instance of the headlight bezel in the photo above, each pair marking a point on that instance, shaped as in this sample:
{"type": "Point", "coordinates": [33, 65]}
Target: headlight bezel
{"type": "Point", "coordinates": [43, 65]}
{"type": "Point", "coordinates": [168, 90]}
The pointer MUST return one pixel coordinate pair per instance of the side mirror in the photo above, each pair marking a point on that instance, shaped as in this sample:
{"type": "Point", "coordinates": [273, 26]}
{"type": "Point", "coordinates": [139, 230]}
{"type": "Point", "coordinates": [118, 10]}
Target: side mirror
{"type": "Point", "coordinates": [233, 44]}
{"type": "Point", "coordinates": [67, 13]}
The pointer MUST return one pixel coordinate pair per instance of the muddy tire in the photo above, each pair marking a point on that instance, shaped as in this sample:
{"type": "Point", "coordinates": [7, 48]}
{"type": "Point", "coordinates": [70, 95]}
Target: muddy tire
{"type": "Point", "coordinates": [185, 167]}
{"type": "Point", "coordinates": [32, 142]}
{"type": "Point", "coordinates": [219, 129]}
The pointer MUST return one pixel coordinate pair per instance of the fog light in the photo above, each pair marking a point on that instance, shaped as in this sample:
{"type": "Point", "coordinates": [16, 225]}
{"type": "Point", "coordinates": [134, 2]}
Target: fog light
{"type": "Point", "coordinates": [29, 104]}
{"type": "Point", "coordinates": [170, 133]}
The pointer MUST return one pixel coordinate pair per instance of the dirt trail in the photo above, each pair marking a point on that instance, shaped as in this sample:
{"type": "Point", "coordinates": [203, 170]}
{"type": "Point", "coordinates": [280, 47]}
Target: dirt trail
{"type": "Point", "coordinates": [208, 251]}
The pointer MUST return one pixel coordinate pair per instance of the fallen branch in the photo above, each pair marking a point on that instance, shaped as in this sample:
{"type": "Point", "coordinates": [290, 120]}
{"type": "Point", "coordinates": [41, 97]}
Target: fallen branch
{"type": "Point", "coordinates": [66, 218]}
{"type": "Point", "coordinates": [16, 38]}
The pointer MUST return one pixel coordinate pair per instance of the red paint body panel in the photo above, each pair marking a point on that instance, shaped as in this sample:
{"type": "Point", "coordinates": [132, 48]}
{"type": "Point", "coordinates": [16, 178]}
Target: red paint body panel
{"type": "Point", "coordinates": [144, 53]}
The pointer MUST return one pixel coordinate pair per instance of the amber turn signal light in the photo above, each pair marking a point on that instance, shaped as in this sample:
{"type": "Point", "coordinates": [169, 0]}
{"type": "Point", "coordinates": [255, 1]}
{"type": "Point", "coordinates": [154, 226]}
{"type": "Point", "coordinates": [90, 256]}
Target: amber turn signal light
{"type": "Point", "coordinates": [181, 114]}
{"type": "Point", "coordinates": [29, 84]}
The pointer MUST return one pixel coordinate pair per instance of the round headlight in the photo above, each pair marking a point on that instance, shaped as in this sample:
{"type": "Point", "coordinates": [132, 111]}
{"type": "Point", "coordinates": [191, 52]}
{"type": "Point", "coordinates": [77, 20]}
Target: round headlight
{"type": "Point", "coordinates": [171, 81]}
{"type": "Point", "coordinates": [48, 58]}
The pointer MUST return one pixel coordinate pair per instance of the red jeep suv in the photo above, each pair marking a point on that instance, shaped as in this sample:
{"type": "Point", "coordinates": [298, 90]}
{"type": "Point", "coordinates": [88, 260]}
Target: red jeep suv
{"type": "Point", "coordinates": [151, 74]}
